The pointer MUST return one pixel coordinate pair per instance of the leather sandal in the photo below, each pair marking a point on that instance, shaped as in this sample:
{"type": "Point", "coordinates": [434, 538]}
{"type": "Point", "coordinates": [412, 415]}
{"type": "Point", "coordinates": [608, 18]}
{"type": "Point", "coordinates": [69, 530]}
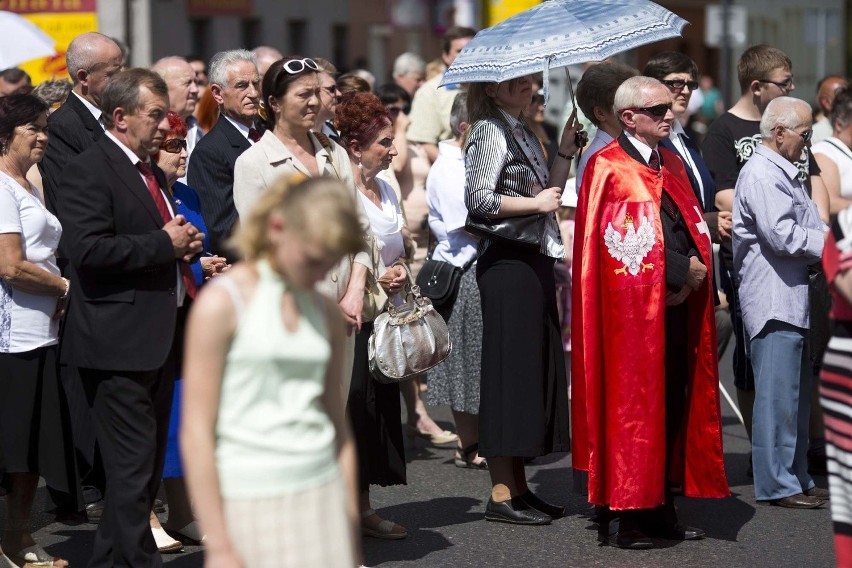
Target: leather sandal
{"type": "Point", "coordinates": [465, 458]}
{"type": "Point", "coordinates": [384, 530]}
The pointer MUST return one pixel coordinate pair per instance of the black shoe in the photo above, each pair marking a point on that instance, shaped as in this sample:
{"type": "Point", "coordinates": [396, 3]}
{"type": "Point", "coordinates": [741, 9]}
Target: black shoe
{"type": "Point", "coordinates": [515, 511]}
{"type": "Point", "coordinates": [632, 539]}
{"type": "Point", "coordinates": [677, 531]}
{"type": "Point", "coordinates": [94, 511]}
{"type": "Point", "coordinates": [799, 501]}
{"type": "Point", "coordinates": [159, 507]}
{"type": "Point", "coordinates": [553, 511]}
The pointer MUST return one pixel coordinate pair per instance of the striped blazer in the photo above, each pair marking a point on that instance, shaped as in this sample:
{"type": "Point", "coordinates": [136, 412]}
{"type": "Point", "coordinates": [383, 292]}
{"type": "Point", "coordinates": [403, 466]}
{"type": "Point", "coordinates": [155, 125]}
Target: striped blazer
{"type": "Point", "coordinates": [495, 165]}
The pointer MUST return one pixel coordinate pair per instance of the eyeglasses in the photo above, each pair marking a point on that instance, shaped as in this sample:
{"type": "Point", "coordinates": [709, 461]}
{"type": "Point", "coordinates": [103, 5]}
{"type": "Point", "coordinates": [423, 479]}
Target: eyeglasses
{"type": "Point", "coordinates": [659, 110]}
{"type": "Point", "coordinates": [785, 85]}
{"type": "Point", "coordinates": [680, 83]}
{"type": "Point", "coordinates": [295, 66]}
{"type": "Point", "coordinates": [173, 145]}
{"type": "Point", "coordinates": [806, 135]}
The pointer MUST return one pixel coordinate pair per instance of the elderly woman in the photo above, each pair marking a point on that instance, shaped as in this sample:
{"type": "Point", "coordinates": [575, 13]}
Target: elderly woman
{"type": "Point", "coordinates": [269, 460]}
{"type": "Point", "coordinates": [34, 438]}
{"type": "Point", "coordinates": [291, 96]}
{"type": "Point", "coordinates": [172, 160]}
{"type": "Point", "coordinates": [367, 133]}
{"type": "Point", "coordinates": [834, 155]}
{"type": "Point", "coordinates": [523, 409]}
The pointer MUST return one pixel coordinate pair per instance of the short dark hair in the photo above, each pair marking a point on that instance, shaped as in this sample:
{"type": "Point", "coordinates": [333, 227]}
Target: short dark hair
{"type": "Point", "coordinates": [391, 92]}
{"type": "Point", "coordinates": [598, 84]}
{"type": "Point", "coordinates": [17, 110]}
{"type": "Point", "coordinates": [123, 88]}
{"type": "Point", "coordinates": [758, 61]}
{"type": "Point", "coordinates": [667, 62]}
{"type": "Point", "coordinates": [276, 81]}
{"type": "Point", "coordinates": [454, 33]}
{"type": "Point", "coordinates": [14, 74]}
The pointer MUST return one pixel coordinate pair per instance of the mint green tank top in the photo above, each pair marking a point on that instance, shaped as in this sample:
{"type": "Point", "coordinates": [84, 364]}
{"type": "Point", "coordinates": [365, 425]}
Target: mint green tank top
{"type": "Point", "coordinates": [273, 435]}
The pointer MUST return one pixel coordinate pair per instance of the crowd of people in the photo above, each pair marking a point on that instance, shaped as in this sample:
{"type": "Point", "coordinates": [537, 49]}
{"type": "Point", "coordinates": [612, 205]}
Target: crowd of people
{"type": "Point", "coordinates": [192, 257]}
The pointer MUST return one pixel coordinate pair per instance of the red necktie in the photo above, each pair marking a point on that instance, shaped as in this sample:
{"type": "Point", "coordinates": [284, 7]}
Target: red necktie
{"type": "Point", "coordinates": [654, 161]}
{"type": "Point", "coordinates": [254, 135]}
{"type": "Point", "coordinates": [157, 195]}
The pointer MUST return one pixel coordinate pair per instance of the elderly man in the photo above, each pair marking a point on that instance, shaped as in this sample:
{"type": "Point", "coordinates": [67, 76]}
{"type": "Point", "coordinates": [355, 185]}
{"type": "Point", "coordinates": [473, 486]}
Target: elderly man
{"type": "Point", "coordinates": [777, 234]}
{"type": "Point", "coordinates": [644, 375]}
{"type": "Point", "coordinates": [430, 109]}
{"type": "Point", "coordinates": [409, 72]}
{"type": "Point", "coordinates": [129, 258]}
{"type": "Point", "coordinates": [235, 84]}
{"type": "Point", "coordinates": [826, 89]}
{"type": "Point", "coordinates": [92, 59]}
{"type": "Point", "coordinates": [183, 94]}
{"type": "Point", "coordinates": [265, 56]}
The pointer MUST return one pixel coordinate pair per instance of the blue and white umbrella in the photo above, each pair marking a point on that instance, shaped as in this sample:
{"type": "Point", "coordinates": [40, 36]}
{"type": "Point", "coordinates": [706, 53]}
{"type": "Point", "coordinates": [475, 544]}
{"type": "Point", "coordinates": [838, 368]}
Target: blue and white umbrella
{"type": "Point", "coordinates": [558, 33]}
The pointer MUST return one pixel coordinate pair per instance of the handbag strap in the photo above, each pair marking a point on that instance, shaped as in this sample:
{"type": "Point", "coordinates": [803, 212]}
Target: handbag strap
{"type": "Point", "coordinates": [844, 151]}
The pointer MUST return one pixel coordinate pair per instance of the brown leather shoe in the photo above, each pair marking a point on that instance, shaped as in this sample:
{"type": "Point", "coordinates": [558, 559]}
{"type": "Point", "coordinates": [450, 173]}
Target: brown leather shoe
{"type": "Point", "coordinates": [818, 492]}
{"type": "Point", "coordinates": [799, 501]}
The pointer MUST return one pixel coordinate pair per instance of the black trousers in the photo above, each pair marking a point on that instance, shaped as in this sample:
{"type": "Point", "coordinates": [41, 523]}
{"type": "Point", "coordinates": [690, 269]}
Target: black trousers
{"type": "Point", "coordinates": [131, 413]}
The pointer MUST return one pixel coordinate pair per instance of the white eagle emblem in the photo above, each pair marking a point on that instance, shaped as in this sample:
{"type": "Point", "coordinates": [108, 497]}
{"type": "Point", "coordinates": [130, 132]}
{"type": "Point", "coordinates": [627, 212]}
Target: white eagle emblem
{"type": "Point", "coordinates": [633, 246]}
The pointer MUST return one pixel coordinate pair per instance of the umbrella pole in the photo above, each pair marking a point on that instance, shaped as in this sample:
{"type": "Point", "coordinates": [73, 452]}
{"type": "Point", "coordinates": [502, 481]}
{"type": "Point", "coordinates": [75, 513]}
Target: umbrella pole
{"type": "Point", "coordinates": [570, 88]}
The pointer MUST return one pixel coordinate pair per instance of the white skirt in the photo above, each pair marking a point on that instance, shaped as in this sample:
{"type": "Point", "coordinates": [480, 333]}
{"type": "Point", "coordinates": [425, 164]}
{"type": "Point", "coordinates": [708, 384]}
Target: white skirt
{"type": "Point", "coordinates": [306, 528]}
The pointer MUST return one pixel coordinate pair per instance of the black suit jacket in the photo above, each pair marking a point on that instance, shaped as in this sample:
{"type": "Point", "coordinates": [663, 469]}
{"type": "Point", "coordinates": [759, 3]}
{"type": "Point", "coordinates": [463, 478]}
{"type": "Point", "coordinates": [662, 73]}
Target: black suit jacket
{"type": "Point", "coordinates": [122, 265]}
{"type": "Point", "coordinates": [211, 175]}
{"type": "Point", "coordinates": [73, 129]}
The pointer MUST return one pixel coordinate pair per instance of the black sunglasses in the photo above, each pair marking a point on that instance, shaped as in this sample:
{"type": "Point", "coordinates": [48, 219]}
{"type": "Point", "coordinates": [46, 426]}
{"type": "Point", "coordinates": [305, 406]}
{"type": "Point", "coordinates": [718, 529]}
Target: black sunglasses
{"type": "Point", "coordinates": [659, 110]}
{"type": "Point", "coordinates": [784, 85]}
{"type": "Point", "coordinates": [806, 135]}
{"type": "Point", "coordinates": [680, 83]}
{"type": "Point", "coordinates": [173, 145]}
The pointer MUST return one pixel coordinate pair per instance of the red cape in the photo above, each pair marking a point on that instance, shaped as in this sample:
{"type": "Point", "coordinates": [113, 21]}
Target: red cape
{"type": "Point", "coordinates": [618, 340]}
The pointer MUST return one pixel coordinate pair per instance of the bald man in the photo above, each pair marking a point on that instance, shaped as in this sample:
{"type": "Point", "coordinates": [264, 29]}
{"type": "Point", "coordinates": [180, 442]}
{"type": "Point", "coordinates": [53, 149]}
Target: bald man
{"type": "Point", "coordinates": [266, 56]}
{"type": "Point", "coordinates": [825, 99]}
{"type": "Point", "coordinates": [92, 59]}
{"type": "Point", "coordinates": [179, 76]}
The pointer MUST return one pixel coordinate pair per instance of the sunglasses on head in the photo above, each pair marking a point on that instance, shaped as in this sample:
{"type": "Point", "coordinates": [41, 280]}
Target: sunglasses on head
{"type": "Point", "coordinates": [295, 66]}
{"type": "Point", "coordinates": [173, 145]}
{"type": "Point", "coordinates": [659, 110]}
{"type": "Point", "coordinates": [680, 83]}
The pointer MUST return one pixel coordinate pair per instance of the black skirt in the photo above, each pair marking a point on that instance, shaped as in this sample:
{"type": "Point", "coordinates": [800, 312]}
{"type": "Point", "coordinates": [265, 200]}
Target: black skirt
{"type": "Point", "coordinates": [523, 409]}
{"type": "Point", "coordinates": [374, 410]}
{"type": "Point", "coordinates": [35, 432]}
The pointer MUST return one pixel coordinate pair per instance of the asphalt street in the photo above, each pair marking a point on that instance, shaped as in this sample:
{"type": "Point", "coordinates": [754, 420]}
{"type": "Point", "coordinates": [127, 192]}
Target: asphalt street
{"type": "Point", "coordinates": [442, 508]}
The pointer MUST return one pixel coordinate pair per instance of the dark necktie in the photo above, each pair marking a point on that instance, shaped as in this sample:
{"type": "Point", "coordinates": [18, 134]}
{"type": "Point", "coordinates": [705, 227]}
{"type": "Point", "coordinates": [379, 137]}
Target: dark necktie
{"type": "Point", "coordinates": [254, 135]}
{"type": "Point", "coordinates": [160, 202]}
{"type": "Point", "coordinates": [654, 161]}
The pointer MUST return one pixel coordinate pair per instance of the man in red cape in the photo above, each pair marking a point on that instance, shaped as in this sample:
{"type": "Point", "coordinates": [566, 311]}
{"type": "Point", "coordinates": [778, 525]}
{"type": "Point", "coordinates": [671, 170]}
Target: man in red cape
{"type": "Point", "coordinates": [645, 385]}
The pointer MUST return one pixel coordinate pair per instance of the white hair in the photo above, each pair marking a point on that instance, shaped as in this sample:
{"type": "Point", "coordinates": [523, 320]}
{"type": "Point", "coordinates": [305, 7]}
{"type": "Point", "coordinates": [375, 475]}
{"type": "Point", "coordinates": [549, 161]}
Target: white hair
{"type": "Point", "coordinates": [783, 111]}
{"type": "Point", "coordinates": [408, 63]}
{"type": "Point", "coordinates": [631, 93]}
{"type": "Point", "coordinates": [218, 73]}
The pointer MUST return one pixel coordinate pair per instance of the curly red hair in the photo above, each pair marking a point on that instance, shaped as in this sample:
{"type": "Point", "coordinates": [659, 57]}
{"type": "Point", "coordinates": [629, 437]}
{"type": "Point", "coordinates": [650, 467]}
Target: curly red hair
{"type": "Point", "coordinates": [360, 117]}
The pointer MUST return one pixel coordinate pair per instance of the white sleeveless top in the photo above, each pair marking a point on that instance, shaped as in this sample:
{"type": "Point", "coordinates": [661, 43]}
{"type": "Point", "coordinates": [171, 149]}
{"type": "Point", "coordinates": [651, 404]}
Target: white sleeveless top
{"type": "Point", "coordinates": [273, 435]}
{"type": "Point", "coordinates": [841, 155]}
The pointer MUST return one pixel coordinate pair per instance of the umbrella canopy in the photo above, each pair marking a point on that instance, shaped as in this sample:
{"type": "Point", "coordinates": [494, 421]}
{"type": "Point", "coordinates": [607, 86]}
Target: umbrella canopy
{"type": "Point", "coordinates": [557, 33]}
{"type": "Point", "coordinates": [21, 40]}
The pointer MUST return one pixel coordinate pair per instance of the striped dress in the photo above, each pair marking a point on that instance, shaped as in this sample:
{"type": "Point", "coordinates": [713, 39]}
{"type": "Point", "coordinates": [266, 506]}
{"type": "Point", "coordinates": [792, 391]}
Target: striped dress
{"type": "Point", "coordinates": [836, 389]}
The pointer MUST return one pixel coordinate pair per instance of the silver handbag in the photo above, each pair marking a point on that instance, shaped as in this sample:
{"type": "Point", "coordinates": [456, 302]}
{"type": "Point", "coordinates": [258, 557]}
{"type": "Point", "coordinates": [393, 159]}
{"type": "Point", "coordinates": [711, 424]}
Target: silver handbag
{"type": "Point", "coordinates": [407, 339]}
